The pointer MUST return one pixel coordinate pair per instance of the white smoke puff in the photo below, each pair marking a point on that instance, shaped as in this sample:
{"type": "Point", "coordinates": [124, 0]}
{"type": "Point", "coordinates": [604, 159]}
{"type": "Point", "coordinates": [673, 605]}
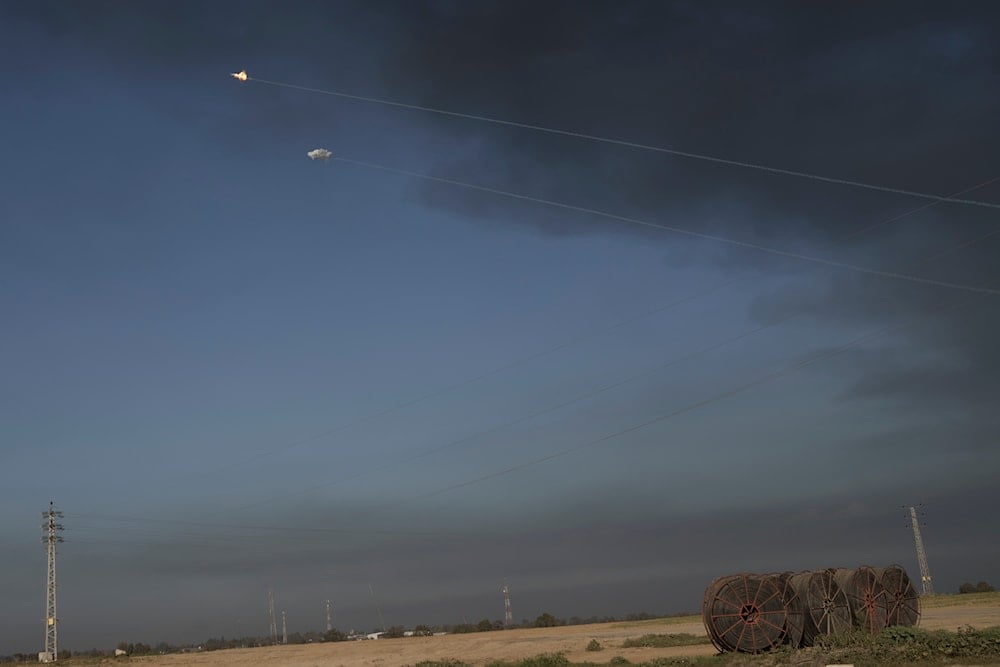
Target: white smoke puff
{"type": "Point", "coordinates": [319, 154]}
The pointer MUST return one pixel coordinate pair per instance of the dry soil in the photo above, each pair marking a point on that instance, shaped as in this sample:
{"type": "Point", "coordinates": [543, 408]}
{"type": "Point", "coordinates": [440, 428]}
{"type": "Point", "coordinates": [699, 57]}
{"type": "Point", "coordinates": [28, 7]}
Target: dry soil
{"type": "Point", "coordinates": [482, 647]}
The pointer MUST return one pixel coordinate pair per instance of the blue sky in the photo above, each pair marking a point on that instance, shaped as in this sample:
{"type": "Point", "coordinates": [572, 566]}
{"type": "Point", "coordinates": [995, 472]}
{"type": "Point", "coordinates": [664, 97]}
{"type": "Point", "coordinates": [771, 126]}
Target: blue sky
{"type": "Point", "coordinates": [235, 368]}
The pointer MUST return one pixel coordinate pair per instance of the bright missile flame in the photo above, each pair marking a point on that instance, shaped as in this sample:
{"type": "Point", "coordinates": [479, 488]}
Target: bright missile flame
{"type": "Point", "coordinates": [242, 76]}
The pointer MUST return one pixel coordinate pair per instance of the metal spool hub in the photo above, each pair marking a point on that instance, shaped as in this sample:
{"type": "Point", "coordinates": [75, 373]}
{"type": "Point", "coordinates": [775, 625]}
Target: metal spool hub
{"type": "Point", "coordinates": [902, 601]}
{"type": "Point", "coordinates": [866, 597]}
{"type": "Point", "coordinates": [744, 613]}
{"type": "Point", "coordinates": [827, 609]}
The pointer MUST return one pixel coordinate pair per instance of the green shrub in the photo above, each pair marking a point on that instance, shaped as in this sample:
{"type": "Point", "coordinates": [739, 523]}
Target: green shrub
{"type": "Point", "coordinates": [664, 641]}
{"type": "Point", "coordinates": [543, 660]}
{"type": "Point", "coordinates": [594, 645]}
{"type": "Point", "coordinates": [910, 645]}
{"type": "Point", "coordinates": [702, 660]}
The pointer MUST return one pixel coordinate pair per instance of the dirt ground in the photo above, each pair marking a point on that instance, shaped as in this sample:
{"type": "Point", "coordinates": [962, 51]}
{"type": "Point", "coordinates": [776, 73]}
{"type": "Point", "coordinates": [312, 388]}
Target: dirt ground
{"type": "Point", "coordinates": [482, 647]}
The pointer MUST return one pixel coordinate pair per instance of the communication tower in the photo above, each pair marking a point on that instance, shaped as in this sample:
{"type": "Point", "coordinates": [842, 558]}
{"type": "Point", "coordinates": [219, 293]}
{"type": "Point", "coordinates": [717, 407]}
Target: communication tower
{"type": "Point", "coordinates": [508, 616]}
{"type": "Point", "coordinates": [925, 570]}
{"type": "Point", "coordinates": [284, 628]}
{"type": "Point", "coordinates": [273, 628]}
{"type": "Point", "coordinates": [377, 608]}
{"type": "Point", "coordinates": [50, 538]}
{"type": "Point", "coordinates": [329, 617]}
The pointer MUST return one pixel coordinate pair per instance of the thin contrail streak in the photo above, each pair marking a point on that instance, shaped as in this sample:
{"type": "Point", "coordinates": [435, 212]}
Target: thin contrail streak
{"type": "Point", "coordinates": [678, 230]}
{"type": "Point", "coordinates": [632, 144]}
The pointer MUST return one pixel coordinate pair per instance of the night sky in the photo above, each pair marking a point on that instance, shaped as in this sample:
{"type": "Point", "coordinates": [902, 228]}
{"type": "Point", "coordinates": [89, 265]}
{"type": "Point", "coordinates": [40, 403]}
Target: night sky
{"type": "Point", "coordinates": [236, 368]}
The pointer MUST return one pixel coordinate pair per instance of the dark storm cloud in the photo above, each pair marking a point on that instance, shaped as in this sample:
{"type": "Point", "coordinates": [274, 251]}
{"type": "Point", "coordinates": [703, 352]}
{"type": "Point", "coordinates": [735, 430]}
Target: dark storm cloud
{"type": "Point", "coordinates": [939, 351]}
{"type": "Point", "coordinates": [617, 566]}
{"type": "Point", "coordinates": [868, 93]}
{"type": "Point", "coordinates": [949, 362]}
{"type": "Point", "coordinates": [893, 94]}
{"type": "Point", "coordinates": [176, 38]}
{"type": "Point", "coordinates": [872, 94]}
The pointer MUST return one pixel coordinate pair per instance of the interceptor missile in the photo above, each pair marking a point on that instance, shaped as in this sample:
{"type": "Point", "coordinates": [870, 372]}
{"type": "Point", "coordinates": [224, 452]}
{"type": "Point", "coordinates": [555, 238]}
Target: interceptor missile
{"type": "Point", "coordinates": [241, 76]}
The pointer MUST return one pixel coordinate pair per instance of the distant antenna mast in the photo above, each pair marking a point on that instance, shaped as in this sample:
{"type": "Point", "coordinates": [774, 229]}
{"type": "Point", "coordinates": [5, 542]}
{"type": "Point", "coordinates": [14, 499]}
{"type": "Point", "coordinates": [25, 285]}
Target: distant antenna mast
{"type": "Point", "coordinates": [50, 538]}
{"type": "Point", "coordinates": [329, 617]}
{"type": "Point", "coordinates": [273, 628]}
{"type": "Point", "coordinates": [284, 628]}
{"type": "Point", "coordinates": [508, 616]}
{"type": "Point", "coordinates": [380, 621]}
{"type": "Point", "coordinates": [925, 570]}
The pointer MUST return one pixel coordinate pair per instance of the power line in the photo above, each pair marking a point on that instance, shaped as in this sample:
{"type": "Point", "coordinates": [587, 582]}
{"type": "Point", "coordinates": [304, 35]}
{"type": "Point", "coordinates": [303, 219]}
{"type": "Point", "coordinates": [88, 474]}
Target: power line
{"type": "Point", "coordinates": [565, 403]}
{"type": "Point", "coordinates": [895, 218]}
{"type": "Point", "coordinates": [677, 230]}
{"type": "Point", "coordinates": [566, 344]}
{"type": "Point", "coordinates": [519, 420]}
{"type": "Point", "coordinates": [474, 379]}
{"type": "Point", "coordinates": [579, 397]}
{"type": "Point", "coordinates": [617, 384]}
{"type": "Point", "coordinates": [631, 144]}
{"type": "Point", "coordinates": [825, 354]}
{"type": "Point", "coordinates": [286, 529]}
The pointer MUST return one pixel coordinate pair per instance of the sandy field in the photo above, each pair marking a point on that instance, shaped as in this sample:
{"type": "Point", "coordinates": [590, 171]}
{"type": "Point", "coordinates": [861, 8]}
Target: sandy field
{"type": "Point", "coordinates": [480, 648]}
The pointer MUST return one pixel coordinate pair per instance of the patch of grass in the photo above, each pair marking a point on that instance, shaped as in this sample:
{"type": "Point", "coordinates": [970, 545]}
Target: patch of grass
{"type": "Point", "coordinates": [898, 645]}
{"type": "Point", "coordinates": [895, 647]}
{"type": "Point", "coordinates": [594, 645]}
{"type": "Point", "coordinates": [666, 620]}
{"type": "Point", "coordinates": [664, 641]}
{"type": "Point", "coordinates": [953, 600]}
{"type": "Point", "coordinates": [543, 660]}
{"type": "Point", "coordinates": [620, 661]}
{"type": "Point", "coordinates": [696, 661]}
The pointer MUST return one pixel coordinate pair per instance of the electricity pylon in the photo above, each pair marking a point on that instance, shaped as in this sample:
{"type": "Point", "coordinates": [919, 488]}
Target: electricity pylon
{"type": "Point", "coordinates": [50, 538]}
{"type": "Point", "coordinates": [925, 570]}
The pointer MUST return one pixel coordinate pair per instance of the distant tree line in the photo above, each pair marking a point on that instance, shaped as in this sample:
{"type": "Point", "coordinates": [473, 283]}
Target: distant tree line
{"type": "Point", "coordinates": [981, 587]}
{"type": "Point", "coordinates": [544, 620]}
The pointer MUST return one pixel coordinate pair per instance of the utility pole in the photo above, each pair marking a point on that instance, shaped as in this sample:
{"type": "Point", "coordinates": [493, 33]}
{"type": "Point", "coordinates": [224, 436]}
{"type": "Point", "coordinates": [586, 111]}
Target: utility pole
{"type": "Point", "coordinates": [508, 616]}
{"type": "Point", "coordinates": [284, 628]}
{"type": "Point", "coordinates": [272, 628]}
{"type": "Point", "coordinates": [329, 617]}
{"type": "Point", "coordinates": [925, 570]}
{"type": "Point", "coordinates": [50, 538]}
{"type": "Point", "coordinates": [379, 611]}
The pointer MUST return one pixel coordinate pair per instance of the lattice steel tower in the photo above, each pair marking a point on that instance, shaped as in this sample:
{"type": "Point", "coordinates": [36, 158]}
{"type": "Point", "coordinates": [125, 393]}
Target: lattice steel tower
{"type": "Point", "coordinates": [508, 616]}
{"type": "Point", "coordinates": [272, 628]}
{"type": "Point", "coordinates": [284, 628]}
{"type": "Point", "coordinates": [925, 570]}
{"type": "Point", "coordinates": [50, 538]}
{"type": "Point", "coordinates": [329, 617]}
